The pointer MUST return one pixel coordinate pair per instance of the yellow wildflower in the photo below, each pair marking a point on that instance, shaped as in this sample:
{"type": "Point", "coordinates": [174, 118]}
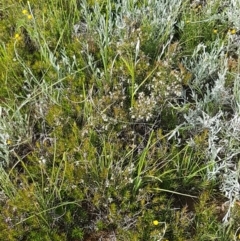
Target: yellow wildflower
{"type": "Point", "coordinates": [215, 31]}
{"type": "Point", "coordinates": [155, 222]}
{"type": "Point", "coordinates": [29, 16]}
{"type": "Point", "coordinates": [17, 36]}
{"type": "Point", "coordinates": [188, 21]}
{"type": "Point", "coordinates": [9, 142]}
{"type": "Point", "coordinates": [24, 11]}
{"type": "Point", "coordinates": [233, 31]}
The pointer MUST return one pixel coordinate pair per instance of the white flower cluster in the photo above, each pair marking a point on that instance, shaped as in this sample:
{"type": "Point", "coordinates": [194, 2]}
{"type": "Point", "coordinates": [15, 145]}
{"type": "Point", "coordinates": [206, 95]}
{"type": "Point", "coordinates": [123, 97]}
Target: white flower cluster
{"type": "Point", "coordinates": [144, 107]}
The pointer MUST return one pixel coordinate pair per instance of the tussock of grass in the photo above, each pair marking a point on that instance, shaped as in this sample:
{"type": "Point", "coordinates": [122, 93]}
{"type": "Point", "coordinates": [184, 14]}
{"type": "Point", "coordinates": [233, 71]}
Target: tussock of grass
{"type": "Point", "coordinates": [119, 120]}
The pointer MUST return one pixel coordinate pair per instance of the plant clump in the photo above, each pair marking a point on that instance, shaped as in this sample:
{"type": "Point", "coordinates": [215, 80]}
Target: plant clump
{"type": "Point", "coordinates": [119, 120]}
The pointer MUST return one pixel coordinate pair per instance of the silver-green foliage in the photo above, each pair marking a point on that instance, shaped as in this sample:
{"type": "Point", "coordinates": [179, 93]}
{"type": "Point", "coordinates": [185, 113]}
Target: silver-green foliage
{"type": "Point", "coordinates": [217, 111]}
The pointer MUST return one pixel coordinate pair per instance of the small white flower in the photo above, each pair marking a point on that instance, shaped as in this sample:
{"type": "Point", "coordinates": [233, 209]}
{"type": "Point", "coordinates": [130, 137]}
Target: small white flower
{"type": "Point", "coordinates": [46, 189]}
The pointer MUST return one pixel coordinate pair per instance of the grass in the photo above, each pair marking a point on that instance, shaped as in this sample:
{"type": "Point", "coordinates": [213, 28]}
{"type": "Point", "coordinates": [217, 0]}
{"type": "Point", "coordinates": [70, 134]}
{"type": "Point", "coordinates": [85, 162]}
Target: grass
{"type": "Point", "coordinates": [119, 120]}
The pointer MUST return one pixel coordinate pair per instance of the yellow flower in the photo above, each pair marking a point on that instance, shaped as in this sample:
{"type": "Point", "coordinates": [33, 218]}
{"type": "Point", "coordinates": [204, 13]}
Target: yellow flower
{"type": "Point", "coordinates": [24, 11]}
{"type": "Point", "coordinates": [17, 36]}
{"type": "Point", "coordinates": [155, 222]}
{"type": "Point", "coordinates": [29, 16]}
{"type": "Point", "coordinates": [215, 31]}
{"type": "Point", "coordinates": [9, 142]}
{"type": "Point", "coordinates": [188, 21]}
{"type": "Point", "coordinates": [233, 31]}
